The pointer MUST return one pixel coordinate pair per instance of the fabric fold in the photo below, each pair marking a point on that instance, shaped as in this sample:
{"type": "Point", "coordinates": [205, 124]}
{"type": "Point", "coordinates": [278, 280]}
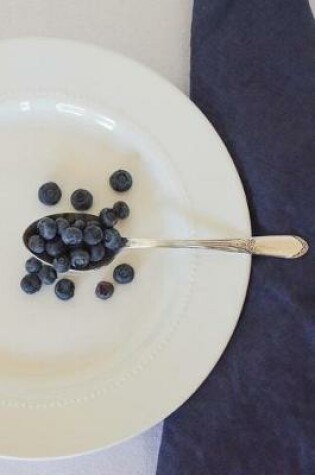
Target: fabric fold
{"type": "Point", "coordinates": [253, 76]}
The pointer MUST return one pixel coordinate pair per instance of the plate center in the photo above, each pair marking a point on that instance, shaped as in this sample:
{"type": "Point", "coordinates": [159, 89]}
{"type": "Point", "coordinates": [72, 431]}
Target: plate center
{"type": "Point", "coordinates": [46, 340]}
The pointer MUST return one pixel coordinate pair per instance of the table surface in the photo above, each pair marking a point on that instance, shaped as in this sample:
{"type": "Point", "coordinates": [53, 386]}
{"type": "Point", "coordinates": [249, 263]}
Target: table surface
{"type": "Point", "coordinates": [157, 34]}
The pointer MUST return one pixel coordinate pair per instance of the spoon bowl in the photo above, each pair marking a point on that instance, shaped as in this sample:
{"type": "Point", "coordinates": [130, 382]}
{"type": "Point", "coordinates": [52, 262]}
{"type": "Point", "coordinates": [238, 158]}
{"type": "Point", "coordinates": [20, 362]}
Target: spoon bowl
{"type": "Point", "coordinates": [71, 217]}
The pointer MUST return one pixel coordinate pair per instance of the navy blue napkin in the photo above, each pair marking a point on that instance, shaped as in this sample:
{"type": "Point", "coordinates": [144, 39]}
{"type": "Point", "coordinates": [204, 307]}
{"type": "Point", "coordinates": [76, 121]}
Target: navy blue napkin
{"type": "Point", "coordinates": [253, 75]}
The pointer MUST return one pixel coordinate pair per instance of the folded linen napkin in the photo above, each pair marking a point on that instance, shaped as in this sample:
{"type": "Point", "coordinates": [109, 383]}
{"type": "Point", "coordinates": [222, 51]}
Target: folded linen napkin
{"type": "Point", "coordinates": [253, 75]}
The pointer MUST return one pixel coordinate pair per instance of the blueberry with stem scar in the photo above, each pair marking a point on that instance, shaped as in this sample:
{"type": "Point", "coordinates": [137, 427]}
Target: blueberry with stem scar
{"type": "Point", "coordinates": [55, 247]}
{"type": "Point", "coordinates": [97, 253]}
{"type": "Point", "coordinates": [80, 224]}
{"type": "Point", "coordinates": [49, 194]}
{"type": "Point", "coordinates": [33, 265]}
{"type": "Point", "coordinates": [112, 239]}
{"type": "Point", "coordinates": [81, 200]}
{"type": "Point", "coordinates": [36, 244]}
{"type": "Point", "coordinates": [61, 264]}
{"type": "Point", "coordinates": [121, 209]}
{"type": "Point", "coordinates": [124, 274]}
{"type": "Point", "coordinates": [80, 259]}
{"type": "Point", "coordinates": [62, 224]}
{"type": "Point", "coordinates": [121, 181]}
{"type": "Point", "coordinates": [47, 275]}
{"type": "Point", "coordinates": [31, 284]}
{"type": "Point", "coordinates": [104, 290]}
{"type": "Point", "coordinates": [47, 228]}
{"type": "Point", "coordinates": [93, 235]}
{"type": "Point", "coordinates": [64, 289]}
{"type": "Point", "coordinates": [72, 236]}
{"type": "Point", "coordinates": [93, 222]}
{"type": "Point", "coordinates": [108, 218]}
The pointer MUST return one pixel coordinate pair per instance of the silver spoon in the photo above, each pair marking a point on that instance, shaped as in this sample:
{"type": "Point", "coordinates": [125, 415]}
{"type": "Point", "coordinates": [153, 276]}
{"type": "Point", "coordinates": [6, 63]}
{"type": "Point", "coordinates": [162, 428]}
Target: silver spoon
{"type": "Point", "coordinates": [284, 246]}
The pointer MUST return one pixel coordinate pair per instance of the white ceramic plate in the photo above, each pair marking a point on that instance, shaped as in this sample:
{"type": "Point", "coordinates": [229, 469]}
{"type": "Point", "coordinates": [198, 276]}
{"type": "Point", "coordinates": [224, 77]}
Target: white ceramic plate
{"type": "Point", "coordinates": [87, 374]}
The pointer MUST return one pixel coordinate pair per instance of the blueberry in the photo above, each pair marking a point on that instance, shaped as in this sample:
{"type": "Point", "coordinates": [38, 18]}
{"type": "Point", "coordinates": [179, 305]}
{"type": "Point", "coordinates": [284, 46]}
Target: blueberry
{"type": "Point", "coordinates": [97, 253]}
{"type": "Point", "coordinates": [108, 218]}
{"type": "Point", "coordinates": [104, 290]}
{"type": "Point", "coordinates": [64, 289]}
{"type": "Point", "coordinates": [72, 219]}
{"type": "Point", "coordinates": [81, 200]}
{"type": "Point", "coordinates": [47, 228]}
{"type": "Point", "coordinates": [79, 223]}
{"type": "Point", "coordinates": [62, 224]}
{"type": "Point", "coordinates": [93, 235]}
{"type": "Point", "coordinates": [49, 194]}
{"type": "Point", "coordinates": [33, 265]}
{"type": "Point", "coordinates": [124, 273]}
{"type": "Point", "coordinates": [47, 275]}
{"type": "Point", "coordinates": [121, 181]}
{"type": "Point", "coordinates": [93, 222]}
{"type": "Point", "coordinates": [61, 264]}
{"type": "Point", "coordinates": [72, 236]}
{"type": "Point", "coordinates": [36, 244]}
{"type": "Point", "coordinates": [112, 239]}
{"type": "Point", "coordinates": [80, 258]}
{"type": "Point", "coordinates": [121, 209]}
{"type": "Point", "coordinates": [55, 248]}
{"type": "Point", "coordinates": [31, 283]}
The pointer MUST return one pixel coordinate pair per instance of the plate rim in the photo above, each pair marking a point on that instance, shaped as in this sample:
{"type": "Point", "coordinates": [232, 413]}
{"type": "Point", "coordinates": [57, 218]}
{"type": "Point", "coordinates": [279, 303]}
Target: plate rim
{"type": "Point", "coordinates": [158, 78]}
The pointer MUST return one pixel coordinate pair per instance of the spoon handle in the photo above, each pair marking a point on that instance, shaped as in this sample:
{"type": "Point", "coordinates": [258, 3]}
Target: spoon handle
{"type": "Point", "coordinates": [288, 247]}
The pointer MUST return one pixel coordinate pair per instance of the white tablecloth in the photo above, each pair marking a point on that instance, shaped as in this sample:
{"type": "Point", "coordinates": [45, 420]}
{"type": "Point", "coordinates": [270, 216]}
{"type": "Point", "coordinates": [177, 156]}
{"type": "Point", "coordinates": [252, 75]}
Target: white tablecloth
{"type": "Point", "coordinates": [155, 32]}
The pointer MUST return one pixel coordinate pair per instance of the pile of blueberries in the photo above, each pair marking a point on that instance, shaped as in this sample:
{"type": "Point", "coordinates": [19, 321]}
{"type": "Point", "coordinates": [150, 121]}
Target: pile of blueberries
{"type": "Point", "coordinates": [77, 241]}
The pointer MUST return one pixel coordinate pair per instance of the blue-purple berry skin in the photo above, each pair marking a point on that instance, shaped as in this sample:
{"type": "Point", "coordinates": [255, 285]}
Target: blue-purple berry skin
{"type": "Point", "coordinates": [55, 248]}
{"type": "Point", "coordinates": [80, 224]}
{"type": "Point", "coordinates": [62, 224]}
{"type": "Point", "coordinates": [61, 264]}
{"type": "Point", "coordinates": [81, 200]}
{"type": "Point", "coordinates": [104, 290]}
{"type": "Point", "coordinates": [47, 275]}
{"type": "Point", "coordinates": [121, 209]}
{"type": "Point", "coordinates": [121, 181]}
{"type": "Point", "coordinates": [49, 194]}
{"type": "Point", "coordinates": [112, 239]}
{"type": "Point", "coordinates": [47, 228]}
{"type": "Point", "coordinates": [93, 235]}
{"type": "Point", "coordinates": [33, 265]}
{"type": "Point", "coordinates": [79, 258]}
{"type": "Point", "coordinates": [36, 244]}
{"type": "Point", "coordinates": [64, 289]}
{"type": "Point", "coordinates": [72, 236]}
{"type": "Point", "coordinates": [93, 222]}
{"type": "Point", "coordinates": [108, 218]}
{"type": "Point", "coordinates": [31, 283]}
{"type": "Point", "coordinates": [124, 274]}
{"type": "Point", "coordinates": [97, 253]}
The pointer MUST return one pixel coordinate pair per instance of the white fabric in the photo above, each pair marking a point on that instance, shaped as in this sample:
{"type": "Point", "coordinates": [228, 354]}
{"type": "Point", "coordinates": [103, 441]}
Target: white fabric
{"type": "Point", "coordinates": [155, 32]}
{"type": "Point", "coordinates": [136, 457]}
